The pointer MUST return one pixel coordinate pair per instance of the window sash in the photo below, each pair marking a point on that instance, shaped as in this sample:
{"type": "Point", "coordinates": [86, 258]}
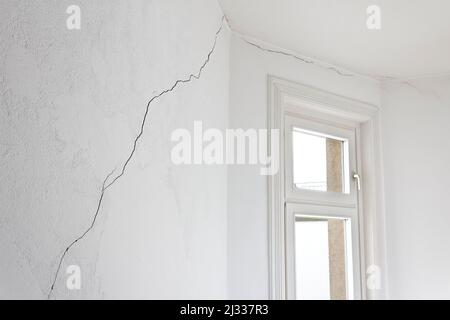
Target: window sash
{"type": "Point", "coordinates": [295, 194]}
{"type": "Point", "coordinates": [294, 210]}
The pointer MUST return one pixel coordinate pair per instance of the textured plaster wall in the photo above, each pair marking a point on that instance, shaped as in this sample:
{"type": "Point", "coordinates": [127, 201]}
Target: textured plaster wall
{"type": "Point", "coordinates": [416, 132]}
{"type": "Point", "coordinates": [72, 103]}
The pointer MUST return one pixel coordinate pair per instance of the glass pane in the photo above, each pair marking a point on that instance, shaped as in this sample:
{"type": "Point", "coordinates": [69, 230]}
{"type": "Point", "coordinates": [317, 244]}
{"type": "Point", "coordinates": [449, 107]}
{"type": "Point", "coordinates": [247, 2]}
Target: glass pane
{"type": "Point", "coordinates": [323, 264]}
{"type": "Point", "coordinates": [320, 162]}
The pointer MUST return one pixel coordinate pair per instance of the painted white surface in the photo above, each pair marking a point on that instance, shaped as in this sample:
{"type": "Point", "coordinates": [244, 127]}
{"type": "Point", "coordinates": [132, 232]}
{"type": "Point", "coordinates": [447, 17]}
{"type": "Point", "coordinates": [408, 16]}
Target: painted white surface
{"type": "Point", "coordinates": [336, 32]}
{"type": "Point", "coordinates": [248, 261]}
{"type": "Point", "coordinates": [72, 102]}
{"type": "Point", "coordinates": [416, 132]}
{"type": "Point", "coordinates": [71, 105]}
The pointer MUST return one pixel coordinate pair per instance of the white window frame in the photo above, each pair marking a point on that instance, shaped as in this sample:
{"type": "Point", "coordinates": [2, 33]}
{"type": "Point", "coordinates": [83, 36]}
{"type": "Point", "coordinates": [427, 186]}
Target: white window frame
{"type": "Point", "coordinates": [294, 194]}
{"type": "Point", "coordinates": [321, 204]}
{"type": "Point", "coordinates": [289, 100]}
{"type": "Point", "coordinates": [294, 210]}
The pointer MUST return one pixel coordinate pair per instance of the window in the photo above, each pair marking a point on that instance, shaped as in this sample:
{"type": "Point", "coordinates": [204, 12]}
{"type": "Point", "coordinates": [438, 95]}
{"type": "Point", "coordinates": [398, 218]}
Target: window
{"type": "Point", "coordinates": [319, 158]}
{"type": "Point", "coordinates": [322, 235]}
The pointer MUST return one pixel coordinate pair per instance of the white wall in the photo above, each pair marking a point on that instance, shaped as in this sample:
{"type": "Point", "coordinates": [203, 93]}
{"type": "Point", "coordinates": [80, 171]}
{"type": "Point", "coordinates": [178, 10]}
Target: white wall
{"type": "Point", "coordinates": [72, 103]}
{"type": "Point", "coordinates": [247, 190]}
{"type": "Point", "coordinates": [416, 154]}
{"type": "Point", "coordinates": [416, 139]}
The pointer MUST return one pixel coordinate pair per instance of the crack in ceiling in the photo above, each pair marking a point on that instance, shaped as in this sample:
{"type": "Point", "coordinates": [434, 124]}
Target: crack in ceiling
{"type": "Point", "coordinates": [304, 60]}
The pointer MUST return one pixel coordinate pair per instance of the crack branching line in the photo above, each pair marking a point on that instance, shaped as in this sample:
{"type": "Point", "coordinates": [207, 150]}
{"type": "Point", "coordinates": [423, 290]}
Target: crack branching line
{"type": "Point", "coordinates": [431, 93]}
{"type": "Point", "coordinates": [106, 185]}
{"type": "Point", "coordinates": [339, 72]}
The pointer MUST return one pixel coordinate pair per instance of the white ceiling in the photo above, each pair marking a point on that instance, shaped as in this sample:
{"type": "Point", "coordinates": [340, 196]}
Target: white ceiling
{"type": "Point", "coordinates": [414, 39]}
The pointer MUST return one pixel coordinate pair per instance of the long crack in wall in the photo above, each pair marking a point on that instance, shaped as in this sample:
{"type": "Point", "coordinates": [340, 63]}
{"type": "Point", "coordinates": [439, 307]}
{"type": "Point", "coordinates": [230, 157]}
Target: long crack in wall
{"type": "Point", "coordinates": [106, 185]}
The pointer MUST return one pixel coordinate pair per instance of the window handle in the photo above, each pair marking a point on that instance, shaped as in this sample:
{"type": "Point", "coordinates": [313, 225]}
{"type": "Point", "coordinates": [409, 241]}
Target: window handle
{"type": "Point", "coordinates": [358, 180]}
